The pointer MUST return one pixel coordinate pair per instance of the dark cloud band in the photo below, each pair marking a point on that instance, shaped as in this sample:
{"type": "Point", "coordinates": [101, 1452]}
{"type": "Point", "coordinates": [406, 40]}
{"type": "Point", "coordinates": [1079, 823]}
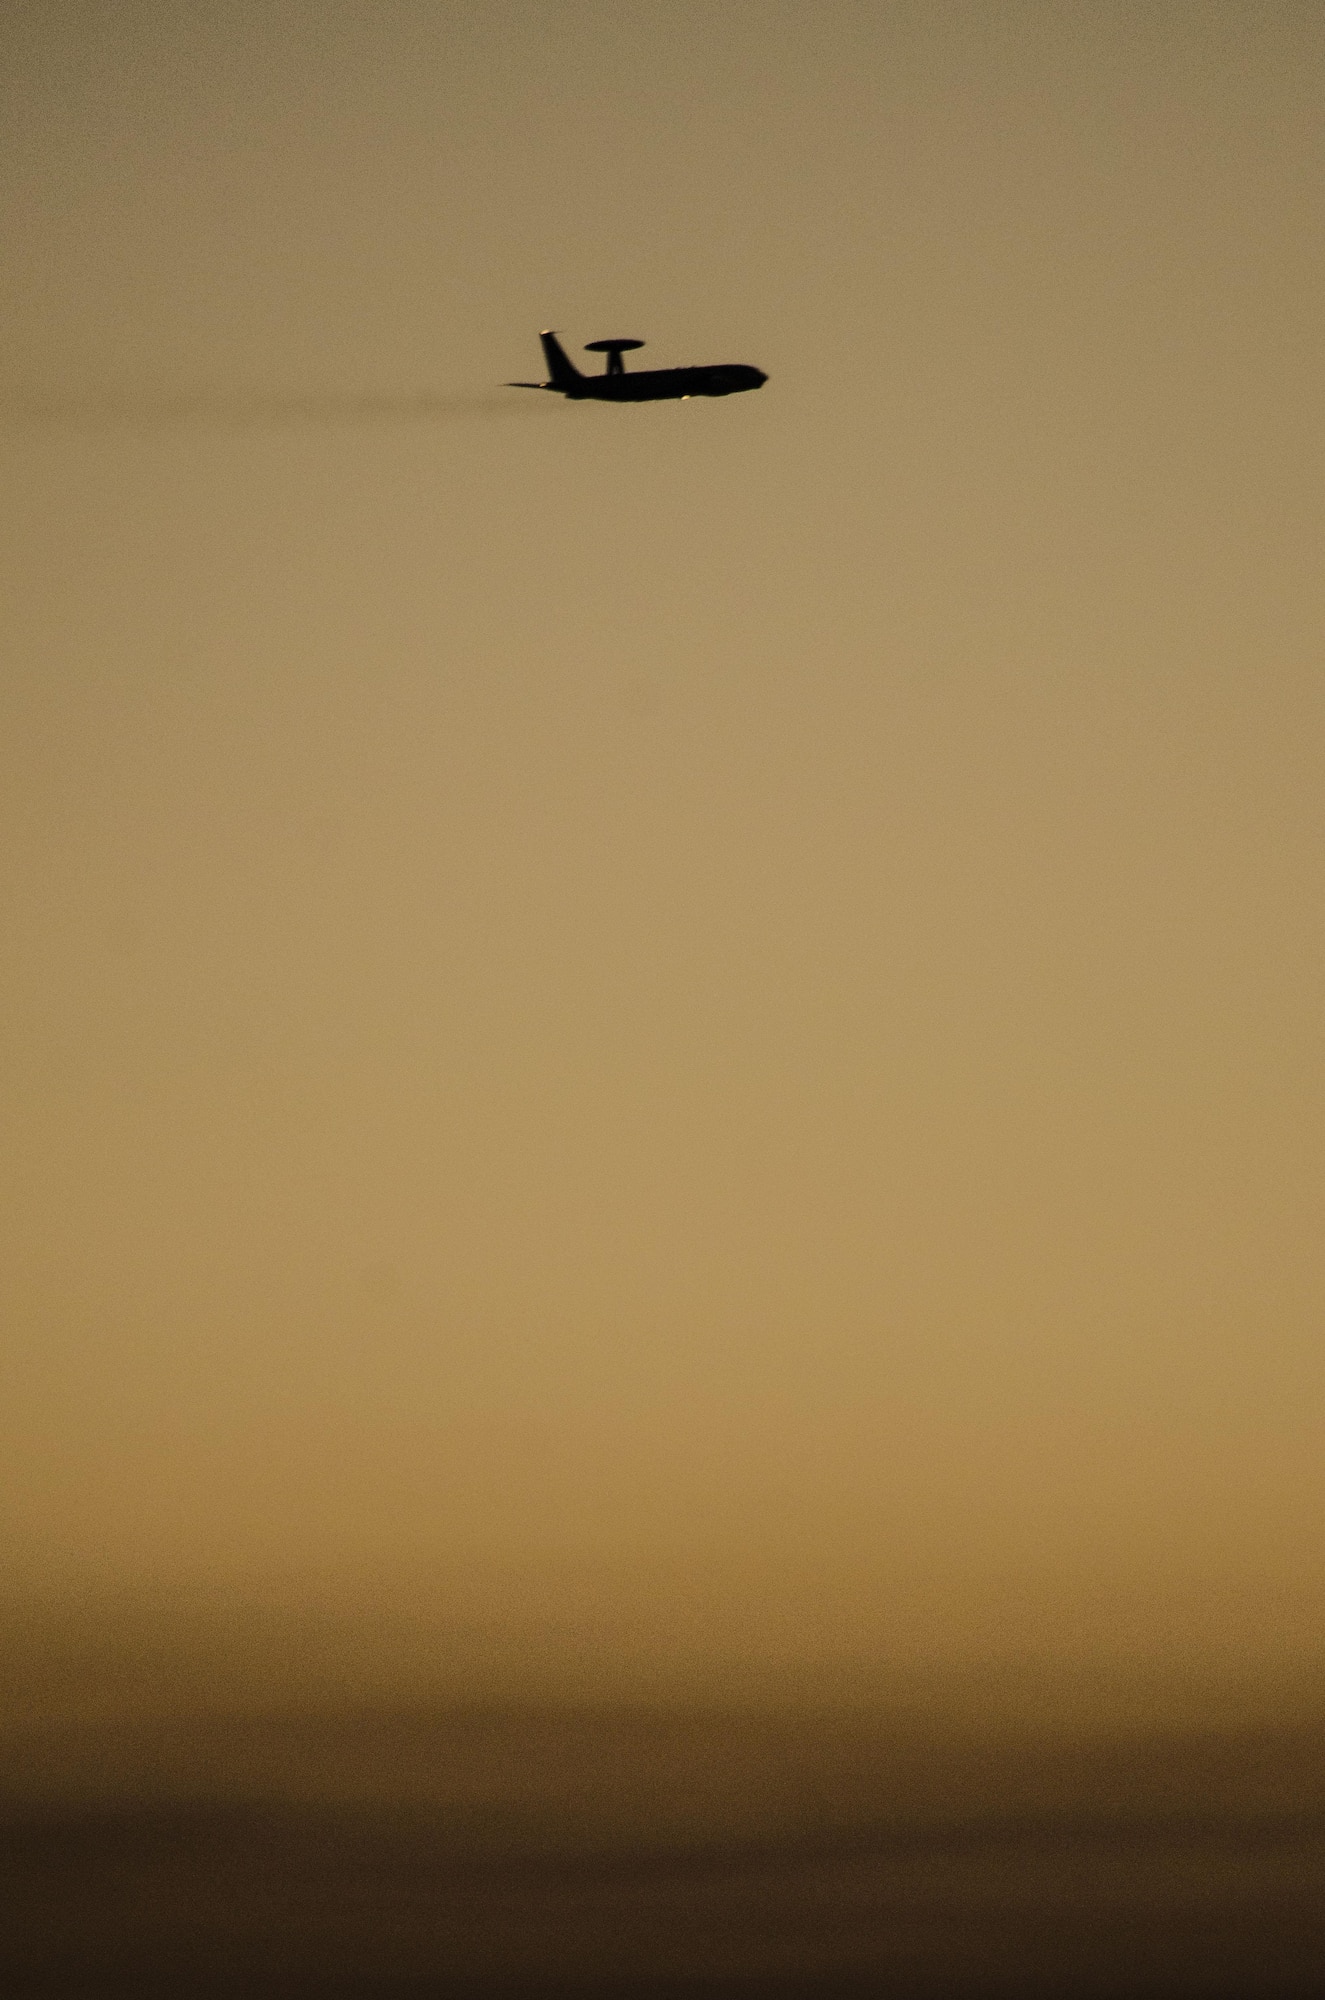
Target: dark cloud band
{"type": "Point", "coordinates": [248, 410]}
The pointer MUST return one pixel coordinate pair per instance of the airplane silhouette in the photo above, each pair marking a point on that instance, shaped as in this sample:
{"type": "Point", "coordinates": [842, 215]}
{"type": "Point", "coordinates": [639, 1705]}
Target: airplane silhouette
{"type": "Point", "coordinates": [649, 385]}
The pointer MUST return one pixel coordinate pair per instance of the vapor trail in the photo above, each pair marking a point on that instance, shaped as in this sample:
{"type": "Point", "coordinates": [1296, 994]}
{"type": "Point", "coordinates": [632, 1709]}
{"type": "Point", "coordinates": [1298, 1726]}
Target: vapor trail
{"type": "Point", "coordinates": [247, 409]}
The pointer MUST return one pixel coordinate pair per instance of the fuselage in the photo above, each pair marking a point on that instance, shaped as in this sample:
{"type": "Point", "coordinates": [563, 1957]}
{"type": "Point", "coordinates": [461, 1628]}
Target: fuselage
{"type": "Point", "coordinates": [654, 385]}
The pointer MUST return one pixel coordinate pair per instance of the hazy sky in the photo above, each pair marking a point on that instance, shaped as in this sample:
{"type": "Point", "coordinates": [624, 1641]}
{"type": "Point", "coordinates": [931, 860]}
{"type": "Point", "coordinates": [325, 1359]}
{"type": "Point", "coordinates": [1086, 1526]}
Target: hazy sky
{"type": "Point", "coordinates": [723, 999]}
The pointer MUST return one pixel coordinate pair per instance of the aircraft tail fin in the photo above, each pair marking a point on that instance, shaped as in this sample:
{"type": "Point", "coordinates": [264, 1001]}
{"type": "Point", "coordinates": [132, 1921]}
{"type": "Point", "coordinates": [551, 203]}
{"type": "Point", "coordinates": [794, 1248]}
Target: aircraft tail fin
{"type": "Point", "coordinates": [559, 365]}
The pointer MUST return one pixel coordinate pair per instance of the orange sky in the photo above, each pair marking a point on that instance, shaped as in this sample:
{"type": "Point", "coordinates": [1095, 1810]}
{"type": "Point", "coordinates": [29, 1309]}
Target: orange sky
{"type": "Point", "coordinates": [722, 1001]}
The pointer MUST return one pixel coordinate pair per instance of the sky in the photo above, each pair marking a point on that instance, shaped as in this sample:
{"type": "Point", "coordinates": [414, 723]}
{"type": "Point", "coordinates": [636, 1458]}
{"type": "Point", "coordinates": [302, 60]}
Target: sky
{"type": "Point", "coordinates": [701, 1019]}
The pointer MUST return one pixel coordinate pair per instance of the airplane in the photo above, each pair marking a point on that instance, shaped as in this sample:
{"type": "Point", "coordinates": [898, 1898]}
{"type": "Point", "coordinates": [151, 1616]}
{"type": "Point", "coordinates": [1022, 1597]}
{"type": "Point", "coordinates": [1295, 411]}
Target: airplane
{"type": "Point", "coordinates": [649, 385]}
